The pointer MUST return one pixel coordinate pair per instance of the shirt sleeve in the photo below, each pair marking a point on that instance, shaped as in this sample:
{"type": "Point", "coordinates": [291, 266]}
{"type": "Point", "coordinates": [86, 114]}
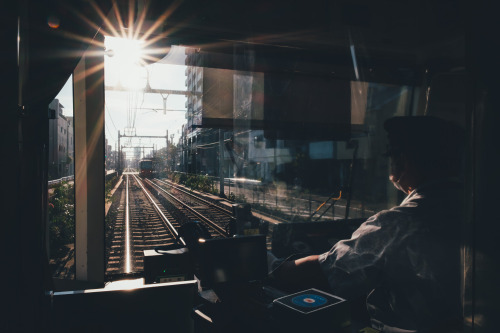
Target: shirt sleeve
{"type": "Point", "coordinates": [353, 266]}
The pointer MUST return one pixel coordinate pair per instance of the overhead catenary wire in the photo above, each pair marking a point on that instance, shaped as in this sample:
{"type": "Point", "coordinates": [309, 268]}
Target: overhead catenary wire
{"type": "Point", "coordinates": [107, 130]}
{"type": "Point", "coordinates": [109, 115]}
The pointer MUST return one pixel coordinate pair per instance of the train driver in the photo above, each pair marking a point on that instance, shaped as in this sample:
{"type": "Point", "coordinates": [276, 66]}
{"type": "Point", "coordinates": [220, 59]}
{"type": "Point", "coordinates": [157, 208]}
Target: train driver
{"type": "Point", "coordinates": [404, 262]}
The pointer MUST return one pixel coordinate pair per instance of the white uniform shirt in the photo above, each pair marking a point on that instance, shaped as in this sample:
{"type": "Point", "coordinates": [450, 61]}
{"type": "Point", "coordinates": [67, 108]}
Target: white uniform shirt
{"type": "Point", "coordinates": [405, 259]}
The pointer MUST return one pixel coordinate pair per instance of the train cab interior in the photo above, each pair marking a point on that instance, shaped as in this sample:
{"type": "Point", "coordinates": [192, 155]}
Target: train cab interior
{"type": "Point", "coordinates": [279, 106]}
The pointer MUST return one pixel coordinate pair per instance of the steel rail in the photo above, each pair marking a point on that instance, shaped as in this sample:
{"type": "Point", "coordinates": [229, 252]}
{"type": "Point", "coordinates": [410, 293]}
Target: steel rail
{"type": "Point", "coordinates": [280, 219]}
{"type": "Point", "coordinates": [128, 268]}
{"type": "Point", "coordinates": [212, 224]}
{"type": "Point", "coordinates": [165, 220]}
{"type": "Point", "coordinates": [222, 210]}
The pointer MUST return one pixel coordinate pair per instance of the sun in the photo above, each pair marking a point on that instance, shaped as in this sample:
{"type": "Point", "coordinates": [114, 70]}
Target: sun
{"type": "Point", "coordinates": [124, 64]}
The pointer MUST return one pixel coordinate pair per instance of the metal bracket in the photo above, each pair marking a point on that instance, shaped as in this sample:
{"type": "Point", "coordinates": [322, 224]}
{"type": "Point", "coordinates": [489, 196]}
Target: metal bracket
{"type": "Point", "coordinates": [21, 111]}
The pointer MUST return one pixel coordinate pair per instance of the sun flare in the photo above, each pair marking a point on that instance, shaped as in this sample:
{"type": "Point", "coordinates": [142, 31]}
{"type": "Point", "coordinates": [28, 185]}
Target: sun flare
{"type": "Point", "coordinates": [124, 64]}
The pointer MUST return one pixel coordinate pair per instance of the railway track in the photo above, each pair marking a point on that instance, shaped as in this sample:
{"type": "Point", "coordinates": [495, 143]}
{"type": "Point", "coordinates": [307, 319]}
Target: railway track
{"type": "Point", "coordinates": [218, 209]}
{"type": "Point", "coordinates": [141, 223]}
{"type": "Point", "coordinates": [149, 215]}
{"type": "Point", "coordinates": [211, 201]}
{"type": "Point", "coordinates": [216, 201]}
{"type": "Point", "coordinates": [213, 216]}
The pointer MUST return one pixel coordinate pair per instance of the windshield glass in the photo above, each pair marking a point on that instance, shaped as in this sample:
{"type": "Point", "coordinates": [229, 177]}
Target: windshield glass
{"type": "Point", "coordinates": [296, 147]}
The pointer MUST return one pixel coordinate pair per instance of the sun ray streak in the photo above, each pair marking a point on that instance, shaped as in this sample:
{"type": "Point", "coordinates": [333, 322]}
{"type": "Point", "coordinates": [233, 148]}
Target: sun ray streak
{"type": "Point", "coordinates": [150, 58]}
{"type": "Point", "coordinates": [118, 18]}
{"type": "Point", "coordinates": [90, 71]}
{"type": "Point", "coordinates": [107, 22]}
{"type": "Point", "coordinates": [165, 34]}
{"type": "Point", "coordinates": [156, 51]}
{"type": "Point", "coordinates": [76, 37]}
{"type": "Point", "coordinates": [162, 18]}
{"type": "Point", "coordinates": [156, 38]}
{"type": "Point", "coordinates": [131, 12]}
{"type": "Point", "coordinates": [97, 83]}
{"type": "Point", "coordinates": [87, 20]}
{"type": "Point", "coordinates": [140, 21]}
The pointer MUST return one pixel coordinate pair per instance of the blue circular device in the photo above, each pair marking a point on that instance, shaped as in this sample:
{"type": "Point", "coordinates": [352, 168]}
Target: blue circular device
{"type": "Point", "coordinates": [309, 300]}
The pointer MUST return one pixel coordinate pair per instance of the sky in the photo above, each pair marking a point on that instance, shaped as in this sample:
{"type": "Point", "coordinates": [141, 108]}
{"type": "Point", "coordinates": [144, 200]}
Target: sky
{"type": "Point", "coordinates": [133, 110]}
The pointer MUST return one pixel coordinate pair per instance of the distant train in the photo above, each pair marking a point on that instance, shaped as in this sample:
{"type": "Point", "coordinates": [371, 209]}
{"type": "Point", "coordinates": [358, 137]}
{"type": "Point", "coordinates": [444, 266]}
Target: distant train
{"type": "Point", "coordinates": [146, 168]}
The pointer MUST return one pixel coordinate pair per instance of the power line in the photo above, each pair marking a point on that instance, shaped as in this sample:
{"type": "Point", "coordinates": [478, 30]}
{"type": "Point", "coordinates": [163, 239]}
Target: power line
{"type": "Point", "coordinates": [107, 130]}
{"type": "Point", "coordinates": [111, 118]}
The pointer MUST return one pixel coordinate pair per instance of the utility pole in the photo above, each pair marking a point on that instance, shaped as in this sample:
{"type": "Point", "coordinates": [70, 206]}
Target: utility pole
{"type": "Point", "coordinates": [119, 155]}
{"type": "Point", "coordinates": [172, 155]}
{"type": "Point", "coordinates": [143, 136]}
{"type": "Point", "coordinates": [221, 160]}
{"type": "Point", "coordinates": [166, 153]}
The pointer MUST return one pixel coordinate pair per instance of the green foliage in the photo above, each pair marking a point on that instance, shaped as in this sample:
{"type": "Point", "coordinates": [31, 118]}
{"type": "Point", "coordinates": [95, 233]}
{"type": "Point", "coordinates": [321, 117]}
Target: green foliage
{"type": "Point", "coordinates": [61, 212]}
{"type": "Point", "coordinates": [201, 183]}
{"type": "Point", "coordinates": [110, 184]}
{"type": "Point", "coordinates": [239, 198]}
{"type": "Point", "coordinates": [215, 190]}
{"type": "Point", "coordinates": [182, 178]}
{"type": "Point", "coordinates": [61, 216]}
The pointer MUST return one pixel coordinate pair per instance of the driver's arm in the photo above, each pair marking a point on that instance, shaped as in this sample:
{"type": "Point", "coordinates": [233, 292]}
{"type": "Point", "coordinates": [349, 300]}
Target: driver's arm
{"type": "Point", "coordinates": [302, 273]}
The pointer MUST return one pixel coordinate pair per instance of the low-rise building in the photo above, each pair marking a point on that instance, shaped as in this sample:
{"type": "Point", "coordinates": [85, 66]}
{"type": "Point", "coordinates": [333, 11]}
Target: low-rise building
{"type": "Point", "coordinates": [61, 142]}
